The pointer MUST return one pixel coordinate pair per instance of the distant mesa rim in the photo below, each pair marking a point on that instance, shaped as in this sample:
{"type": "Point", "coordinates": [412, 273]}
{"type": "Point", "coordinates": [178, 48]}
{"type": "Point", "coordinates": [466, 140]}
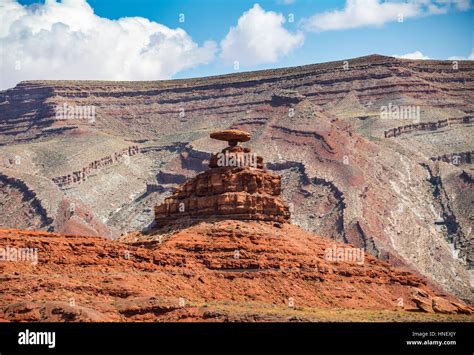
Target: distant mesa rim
{"type": "Point", "coordinates": [231, 135]}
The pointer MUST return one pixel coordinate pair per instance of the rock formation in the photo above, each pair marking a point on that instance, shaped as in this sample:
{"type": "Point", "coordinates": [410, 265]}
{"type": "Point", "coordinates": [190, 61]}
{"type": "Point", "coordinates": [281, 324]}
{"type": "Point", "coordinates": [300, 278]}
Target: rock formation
{"type": "Point", "coordinates": [221, 271]}
{"type": "Point", "coordinates": [457, 158]}
{"type": "Point", "coordinates": [427, 126]}
{"type": "Point", "coordinates": [81, 175]}
{"type": "Point", "coordinates": [286, 97]}
{"type": "Point", "coordinates": [235, 187]}
{"type": "Point", "coordinates": [318, 126]}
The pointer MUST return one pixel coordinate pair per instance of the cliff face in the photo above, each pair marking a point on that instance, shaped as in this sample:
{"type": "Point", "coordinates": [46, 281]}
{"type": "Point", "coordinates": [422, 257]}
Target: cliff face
{"type": "Point", "coordinates": [82, 174]}
{"type": "Point", "coordinates": [347, 172]}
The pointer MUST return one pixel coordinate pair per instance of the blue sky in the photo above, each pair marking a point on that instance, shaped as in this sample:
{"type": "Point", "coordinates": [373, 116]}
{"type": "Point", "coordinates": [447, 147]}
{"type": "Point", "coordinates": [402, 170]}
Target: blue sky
{"type": "Point", "coordinates": [438, 36]}
{"type": "Point", "coordinates": [321, 31]}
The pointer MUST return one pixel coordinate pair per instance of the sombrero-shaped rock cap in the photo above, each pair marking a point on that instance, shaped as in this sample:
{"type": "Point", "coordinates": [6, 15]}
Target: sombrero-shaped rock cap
{"type": "Point", "coordinates": [231, 135]}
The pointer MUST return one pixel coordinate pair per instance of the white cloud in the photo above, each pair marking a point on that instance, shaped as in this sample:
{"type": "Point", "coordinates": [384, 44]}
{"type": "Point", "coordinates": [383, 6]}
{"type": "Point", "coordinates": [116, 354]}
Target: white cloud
{"type": "Point", "coordinates": [66, 40]}
{"type": "Point", "coordinates": [413, 55]}
{"type": "Point", "coordinates": [469, 57]}
{"type": "Point", "coordinates": [259, 37]}
{"type": "Point", "coordinates": [461, 5]}
{"type": "Point", "coordinates": [360, 13]}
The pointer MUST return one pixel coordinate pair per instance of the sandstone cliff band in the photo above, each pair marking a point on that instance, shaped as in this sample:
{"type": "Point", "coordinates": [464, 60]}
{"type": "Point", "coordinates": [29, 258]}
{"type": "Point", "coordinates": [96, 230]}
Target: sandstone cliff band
{"type": "Point", "coordinates": [426, 126]}
{"type": "Point", "coordinates": [81, 175]}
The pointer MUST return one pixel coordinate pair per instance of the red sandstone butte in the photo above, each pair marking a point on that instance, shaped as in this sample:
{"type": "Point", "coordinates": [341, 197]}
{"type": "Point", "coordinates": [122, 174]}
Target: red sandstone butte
{"type": "Point", "coordinates": [227, 192]}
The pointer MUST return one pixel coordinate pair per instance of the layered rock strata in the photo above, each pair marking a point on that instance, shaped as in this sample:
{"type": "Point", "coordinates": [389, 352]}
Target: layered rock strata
{"type": "Point", "coordinates": [81, 175]}
{"type": "Point", "coordinates": [335, 177]}
{"type": "Point", "coordinates": [235, 187]}
{"type": "Point", "coordinates": [455, 158]}
{"type": "Point", "coordinates": [223, 271]}
{"type": "Point", "coordinates": [427, 126]}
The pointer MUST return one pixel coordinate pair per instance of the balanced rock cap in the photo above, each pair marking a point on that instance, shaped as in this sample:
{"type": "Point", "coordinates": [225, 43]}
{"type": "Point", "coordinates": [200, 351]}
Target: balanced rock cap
{"type": "Point", "coordinates": [231, 135]}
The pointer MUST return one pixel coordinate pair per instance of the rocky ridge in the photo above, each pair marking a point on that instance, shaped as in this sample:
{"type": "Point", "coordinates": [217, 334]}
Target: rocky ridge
{"type": "Point", "coordinates": [212, 271]}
